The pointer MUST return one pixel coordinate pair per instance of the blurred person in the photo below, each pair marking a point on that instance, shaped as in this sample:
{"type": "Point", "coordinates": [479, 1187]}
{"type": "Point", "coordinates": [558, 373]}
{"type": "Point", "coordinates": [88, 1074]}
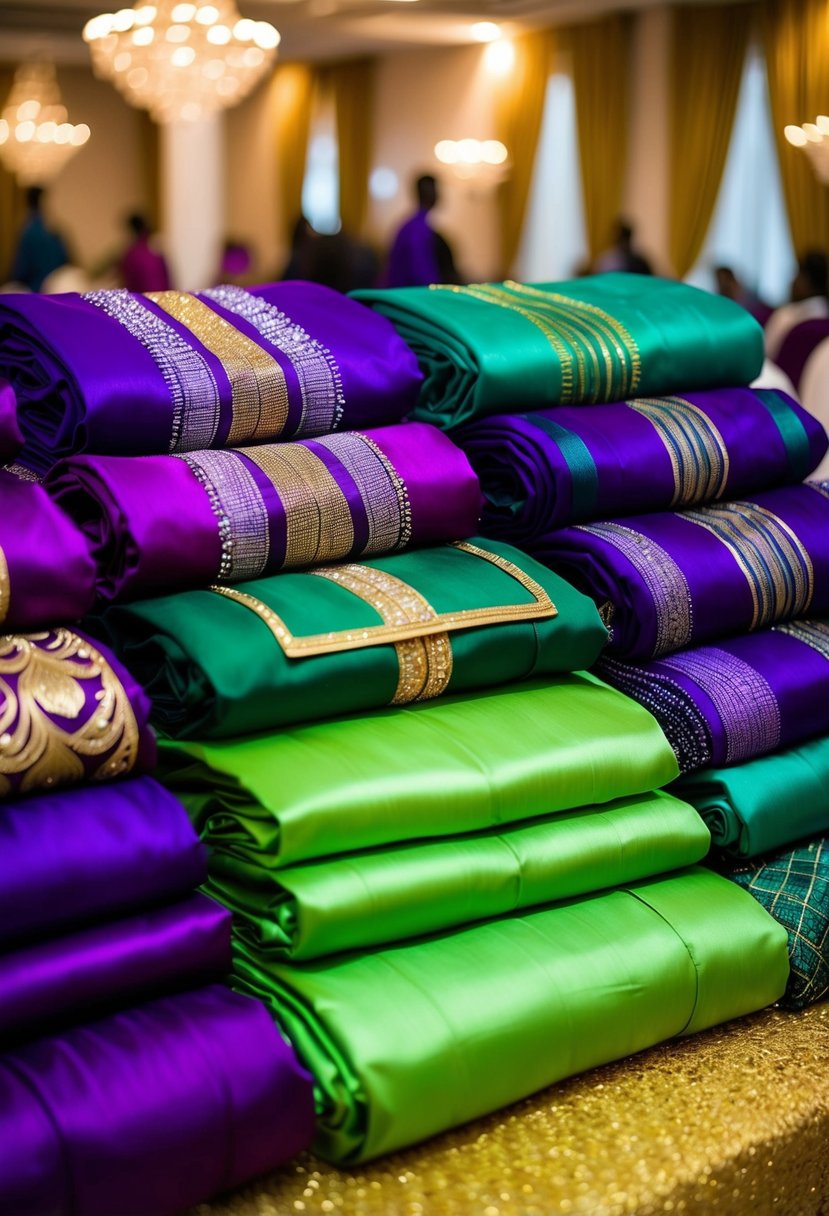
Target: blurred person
{"type": "Point", "coordinates": [622, 254]}
{"type": "Point", "coordinates": [142, 268]}
{"type": "Point", "coordinates": [729, 285]}
{"type": "Point", "coordinates": [303, 240]}
{"type": "Point", "coordinates": [236, 263]}
{"type": "Point", "coordinates": [40, 250]}
{"type": "Point", "coordinates": [419, 255]}
{"type": "Point", "coordinates": [808, 301]}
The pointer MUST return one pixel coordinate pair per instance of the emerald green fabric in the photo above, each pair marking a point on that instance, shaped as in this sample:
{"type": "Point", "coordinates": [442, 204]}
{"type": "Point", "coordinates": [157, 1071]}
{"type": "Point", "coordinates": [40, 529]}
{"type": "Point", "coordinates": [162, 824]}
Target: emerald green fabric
{"type": "Point", "coordinates": [407, 1041]}
{"type": "Point", "coordinates": [214, 669]}
{"type": "Point", "coordinates": [480, 358]}
{"type": "Point", "coordinates": [765, 803]}
{"type": "Point", "coordinates": [440, 768]}
{"type": "Point", "coordinates": [386, 895]}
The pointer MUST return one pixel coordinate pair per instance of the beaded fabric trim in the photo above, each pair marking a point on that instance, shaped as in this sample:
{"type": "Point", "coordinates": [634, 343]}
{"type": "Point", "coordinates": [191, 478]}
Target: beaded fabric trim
{"type": "Point", "coordinates": [675, 710]}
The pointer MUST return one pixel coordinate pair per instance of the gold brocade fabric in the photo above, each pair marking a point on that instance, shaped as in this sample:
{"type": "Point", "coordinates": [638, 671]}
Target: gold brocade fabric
{"type": "Point", "coordinates": [732, 1122]}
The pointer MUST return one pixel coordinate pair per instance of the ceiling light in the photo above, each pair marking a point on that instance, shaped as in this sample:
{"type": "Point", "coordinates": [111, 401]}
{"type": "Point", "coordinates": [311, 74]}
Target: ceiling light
{"type": "Point", "coordinates": [485, 31]}
{"type": "Point", "coordinates": [36, 141]}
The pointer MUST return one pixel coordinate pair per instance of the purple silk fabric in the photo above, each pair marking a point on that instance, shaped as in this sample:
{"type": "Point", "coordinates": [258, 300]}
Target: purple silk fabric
{"type": "Point", "coordinates": [47, 573]}
{"type": "Point", "coordinates": [156, 525]}
{"type": "Point", "coordinates": [11, 438]}
{"type": "Point", "coordinates": [798, 345]}
{"type": "Point", "coordinates": [87, 383]}
{"type": "Point", "coordinates": [616, 459]}
{"type": "Point", "coordinates": [111, 966]}
{"type": "Point", "coordinates": [741, 698]}
{"type": "Point", "coordinates": [150, 1111]}
{"type": "Point", "coordinates": [70, 713]}
{"type": "Point", "coordinates": [71, 857]}
{"type": "Point", "coordinates": [671, 580]}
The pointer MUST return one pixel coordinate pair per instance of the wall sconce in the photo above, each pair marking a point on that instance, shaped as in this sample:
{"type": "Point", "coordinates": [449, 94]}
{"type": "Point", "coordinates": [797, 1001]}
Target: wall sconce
{"type": "Point", "coordinates": [813, 138]}
{"type": "Point", "coordinates": [482, 161]}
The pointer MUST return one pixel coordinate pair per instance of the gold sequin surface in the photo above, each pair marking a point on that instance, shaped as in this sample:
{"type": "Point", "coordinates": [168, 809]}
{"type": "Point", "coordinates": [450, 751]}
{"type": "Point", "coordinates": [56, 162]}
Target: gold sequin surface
{"type": "Point", "coordinates": [733, 1122]}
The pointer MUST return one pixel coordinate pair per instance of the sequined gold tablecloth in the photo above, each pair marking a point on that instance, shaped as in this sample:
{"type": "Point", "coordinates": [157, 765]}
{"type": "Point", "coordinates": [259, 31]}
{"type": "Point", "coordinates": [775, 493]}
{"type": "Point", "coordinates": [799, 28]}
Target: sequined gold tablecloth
{"type": "Point", "coordinates": [733, 1122]}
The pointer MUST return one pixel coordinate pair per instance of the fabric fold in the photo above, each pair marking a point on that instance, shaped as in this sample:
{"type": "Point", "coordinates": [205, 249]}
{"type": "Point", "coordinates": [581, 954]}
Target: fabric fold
{"type": "Point", "coordinates": [151, 1110]}
{"type": "Point", "coordinates": [115, 372]}
{"type": "Point", "coordinates": [454, 765]}
{"type": "Point", "coordinates": [71, 857]}
{"type": "Point", "coordinates": [361, 900]}
{"type": "Point", "coordinates": [668, 581]}
{"type": "Point", "coordinates": [11, 439]}
{"type": "Point", "coordinates": [161, 523]}
{"type": "Point", "coordinates": [345, 638]}
{"type": "Point", "coordinates": [561, 466]}
{"type": "Point", "coordinates": [489, 348]}
{"type": "Point", "coordinates": [410, 1040]}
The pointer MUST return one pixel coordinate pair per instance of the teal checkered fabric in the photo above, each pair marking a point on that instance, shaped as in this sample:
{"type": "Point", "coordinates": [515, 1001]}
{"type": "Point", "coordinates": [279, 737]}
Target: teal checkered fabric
{"type": "Point", "coordinates": [794, 887]}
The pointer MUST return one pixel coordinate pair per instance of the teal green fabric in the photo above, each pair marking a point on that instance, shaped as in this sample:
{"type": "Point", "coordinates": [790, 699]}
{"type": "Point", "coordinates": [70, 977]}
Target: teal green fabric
{"type": "Point", "coordinates": [792, 432]}
{"type": "Point", "coordinates": [214, 669]}
{"type": "Point", "coordinates": [483, 358]}
{"type": "Point", "coordinates": [440, 768]}
{"type": "Point", "coordinates": [766, 803]}
{"type": "Point", "coordinates": [407, 1041]}
{"type": "Point", "coordinates": [365, 899]}
{"type": "Point", "coordinates": [580, 463]}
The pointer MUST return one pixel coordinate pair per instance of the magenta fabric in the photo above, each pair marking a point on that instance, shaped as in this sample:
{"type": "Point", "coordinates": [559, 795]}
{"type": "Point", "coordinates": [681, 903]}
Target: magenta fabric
{"type": "Point", "coordinates": [155, 524]}
{"type": "Point", "coordinates": [70, 713]}
{"type": "Point", "coordinates": [11, 438]}
{"type": "Point", "coordinates": [798, 345]}
{"type": "Point", "coordinates": [47, 573]}
{"type": "Point", "coordinates": [144, 268]}
{"type": "Point", "coordinates": [85, 382]}
{"type": "Point", "coordinates": [676, 579]}
{"type": "Point", "coordinates": [81, 975]}
{"type": "Point", "coordinates": [71, 857]}
{"type": "Point", "coordinates": [151, 1110]}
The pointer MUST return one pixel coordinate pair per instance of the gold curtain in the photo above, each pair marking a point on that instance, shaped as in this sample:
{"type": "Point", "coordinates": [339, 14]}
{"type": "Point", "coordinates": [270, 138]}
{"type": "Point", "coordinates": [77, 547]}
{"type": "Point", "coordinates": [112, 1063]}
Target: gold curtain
{"type": "Point", "coordinates": [796, 43]}
{"type": "Point", "coordinates": [353, 85]}
{"type": "Point", "coordinates": [292, 93]}
{"type": "Point", "coordinates": [708, 50]}
{"type": "Point", "coordinates": [599, 55]}
{"type": "Point", "coordinates": [12, 198]}
{"type": "Point", "coordinates": [519, 111]}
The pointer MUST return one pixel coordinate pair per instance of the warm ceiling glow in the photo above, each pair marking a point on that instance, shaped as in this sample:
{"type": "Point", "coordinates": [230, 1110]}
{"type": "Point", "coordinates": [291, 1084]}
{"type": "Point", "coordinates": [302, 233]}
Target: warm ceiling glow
{"type": "Point", "coordinates": [485, 31]}
{"type": "Point", "coordinates": [36, 140]}
{"type": "Point", "coordinates": [499, 57]}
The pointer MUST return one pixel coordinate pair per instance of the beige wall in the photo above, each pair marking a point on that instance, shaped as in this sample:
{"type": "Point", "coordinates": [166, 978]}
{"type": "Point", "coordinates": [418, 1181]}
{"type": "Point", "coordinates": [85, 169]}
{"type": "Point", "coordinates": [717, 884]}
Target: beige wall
{"type": "Point", "coordinates": [646, 188]}
{"type": "Point", "coordinates": [251, 201]}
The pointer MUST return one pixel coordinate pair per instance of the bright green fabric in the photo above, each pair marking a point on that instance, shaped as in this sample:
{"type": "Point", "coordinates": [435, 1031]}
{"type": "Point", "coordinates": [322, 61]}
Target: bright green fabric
{"type": "Point", "coordinates": [766, 803]}
{"type": "Point", "coordinates": [440, 768]}
{"type": "Point", "coordinates": [410, 1040]}
{"type": "Point", "coordinates": [389, 894]}
{"type": "Point", "coordinates": [481, 359]}
{"type": "Point", "coordinates": [214, 670]}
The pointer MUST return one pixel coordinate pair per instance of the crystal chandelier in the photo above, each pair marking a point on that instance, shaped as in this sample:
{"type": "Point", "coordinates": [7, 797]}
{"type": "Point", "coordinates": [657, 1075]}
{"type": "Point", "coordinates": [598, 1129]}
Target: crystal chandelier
{"type": "Point", "coordinates": [181, 60]}
{"type": "Point", "coordinates": [36, 140]}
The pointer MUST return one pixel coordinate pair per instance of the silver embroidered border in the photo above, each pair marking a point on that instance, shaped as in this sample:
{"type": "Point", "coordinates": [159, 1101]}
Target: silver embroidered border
{"type": "Point", "coordinates": [237, 503]}
{"type": "Point", "coordinates": [676, 711]}
{"type": "Point", "coordinates": [811, 633]}
{"type": "Point", "coordinates": [382, 489]}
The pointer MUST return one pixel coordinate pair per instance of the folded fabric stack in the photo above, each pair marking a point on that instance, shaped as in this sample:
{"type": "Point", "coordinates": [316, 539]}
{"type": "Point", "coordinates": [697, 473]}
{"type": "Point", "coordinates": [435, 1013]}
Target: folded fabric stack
{"type": "Point", "coordinates": [684, 517]}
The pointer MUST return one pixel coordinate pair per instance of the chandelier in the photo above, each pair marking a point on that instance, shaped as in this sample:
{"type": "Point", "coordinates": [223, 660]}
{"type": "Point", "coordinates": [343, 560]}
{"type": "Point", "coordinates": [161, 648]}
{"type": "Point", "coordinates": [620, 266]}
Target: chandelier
{"type": "Point", "coordinates": [813, 138]}
{"type": "Point", "coordinates": [181, 60]}
{"type": "Point", "coordinates": [36, 140]}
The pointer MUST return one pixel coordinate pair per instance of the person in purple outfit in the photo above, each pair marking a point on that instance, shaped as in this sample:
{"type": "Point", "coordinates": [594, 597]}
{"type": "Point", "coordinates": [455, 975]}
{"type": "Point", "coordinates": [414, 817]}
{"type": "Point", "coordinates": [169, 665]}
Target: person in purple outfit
{"type": "Point", "coordinates": [143, 268]}
{"type": "Point", "coordinates": [419, 255]}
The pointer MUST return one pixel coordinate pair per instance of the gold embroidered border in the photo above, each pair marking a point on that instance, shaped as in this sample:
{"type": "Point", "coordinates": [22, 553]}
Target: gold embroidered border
{"type": "Point", "coordinates": [260, 393]}
{"type": "Point", "coordinates": [5, 587]}
{"type": "Point", "coordinates": [295, 647]}
{"type": "Point", "coordinates": [687, 433]}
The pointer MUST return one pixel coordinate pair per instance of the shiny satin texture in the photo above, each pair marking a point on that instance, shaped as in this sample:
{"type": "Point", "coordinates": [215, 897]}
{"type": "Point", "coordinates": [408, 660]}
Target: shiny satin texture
{"type": "Point", "coordinates": [671, 580]}
{"type": "Point", "coordinates": [480, 761]}
{"type": "Point", "coordinates": [83, 975]}
{"type": "Point", "coordinates": [70, 858]}
{"type": "Point", "coordinates": [562, 466]}
{"type": "Point", "coordinates": [738, 699]}
{"type": "Point", "coordinates": [479, 358]}
{"type": "Point", "coordinates": [764, 804]}
{"type": "Point", "coordinates": [155, 526]}
{"type": "Point", "coordinates": [47, 573]}
{"type": "Point", "coordinates": [360, 900]}
{"type": "Point", "coordinates": [151, 1110]}
{"type": "Point", "coordinates": [86, 382]}
{"type": "Point", "coordinates": [410, 1040]}
{"type": "Point", "coordinates": [11, 439]}
{"type": "Point", "coordinates": [214, 669]}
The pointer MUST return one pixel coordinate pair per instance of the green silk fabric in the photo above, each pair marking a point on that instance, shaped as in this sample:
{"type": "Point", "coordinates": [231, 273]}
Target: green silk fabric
{"type": "Point", "coordinates": [410, 1040]}
{"type": "Point", "coordinates": [766, 803]}
{"type": "Point", "coordinates": [440, 768]}
{"type": "Point", "coordinates": [386, 895]}
{"type": "Point", "coordinates": [214, 669]}
{"type": "Point", "coordinates": [479, 358]}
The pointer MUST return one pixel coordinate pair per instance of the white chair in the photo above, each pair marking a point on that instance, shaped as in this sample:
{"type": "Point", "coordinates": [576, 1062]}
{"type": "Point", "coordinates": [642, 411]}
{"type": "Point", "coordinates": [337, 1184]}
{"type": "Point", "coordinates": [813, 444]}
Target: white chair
{"type": "Point", "coordinates": [773, 376]}
{"type": "Point", "coordinates": [814, 396]}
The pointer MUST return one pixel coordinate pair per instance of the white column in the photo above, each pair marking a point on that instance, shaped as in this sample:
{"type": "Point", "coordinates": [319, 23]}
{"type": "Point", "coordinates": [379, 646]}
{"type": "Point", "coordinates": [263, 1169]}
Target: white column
{"type": "Point", "coordinates": [193, 200]}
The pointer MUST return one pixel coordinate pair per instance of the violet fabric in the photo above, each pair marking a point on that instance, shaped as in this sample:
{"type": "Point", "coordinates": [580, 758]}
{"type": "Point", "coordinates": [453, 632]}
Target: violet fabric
{"type": "Point", "coordinates": [70, 857]}
{"type": "Point", "coordinates": [69, 713]}
{"type": "Point", "coordinates": [667, 581]}
{"type": "Point", "coordinates": [413, 257]}
{"type": "Point", "coordinates": [11, 438]}
{"type": "Point", "coordinates": [110, 966]}
{"type": "Point", "coordinates": [553, 467]}
{"type": "Point", "coordinates": [160, 523]}
{"type": "Point", "coordinates": [47, 573]}
{"type": "Point", "coordinates": [150, 1111]}
{"type": "Point", "coordinates": [118, 373]}
{"type": "Point", "coordinates": [798, 345]}
{"type": "Point", "coordinates": [741, 698]}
